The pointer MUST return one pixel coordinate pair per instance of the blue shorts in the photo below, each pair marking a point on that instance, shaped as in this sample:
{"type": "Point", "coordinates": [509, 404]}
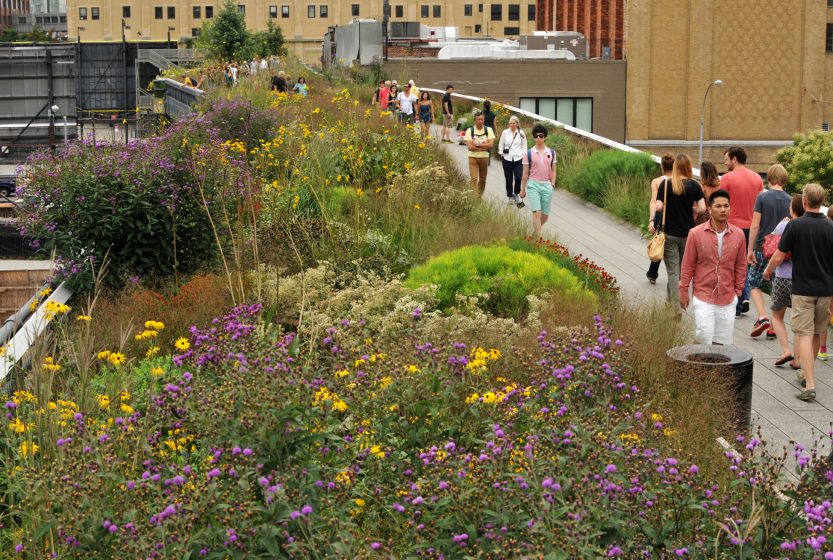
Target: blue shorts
{"type": "Point", "coordinates": [539, 196]}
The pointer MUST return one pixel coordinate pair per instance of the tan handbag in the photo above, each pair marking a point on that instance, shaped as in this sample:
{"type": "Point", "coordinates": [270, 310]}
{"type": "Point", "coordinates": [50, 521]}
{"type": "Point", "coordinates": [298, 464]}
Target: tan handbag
{"type": "Point", "coordinates": [656, 246]}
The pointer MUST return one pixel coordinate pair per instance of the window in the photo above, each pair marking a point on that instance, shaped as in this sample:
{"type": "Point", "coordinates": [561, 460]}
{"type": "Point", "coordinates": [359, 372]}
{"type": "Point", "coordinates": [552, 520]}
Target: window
{"type": "Point", "coordinates": [125, 11]}
{"type": "Point", "coordinates": [437, 11]}
{"type": "Point", "coordinates": [195, 32]}
{"type": "Point", "coordinates": [511, 30]}
{"type": "Point", "coordinates": [829, 38]}
{"type": "Point", "coordinates": [497, 12]}
{"type": "Point", "coordinates": [467, 10]}
{"type": "Point", "coordinates": [480, 8]}
{"type": "Point", "coordinates": [197, 12]}
{"type": "Point", "coordinates": [38, 19]}
{"type": "Point", "coordinates": [21, 21]}
{"type": "Point", "coordinates": [273, 12]}
{"type": "Point", "coordinates": [63, 19]}
{"type": "Point", "coordinates": [310, 11]}
{"type": "Point", "coordinates": [573, 111]}
{"type": "Point", "coordinates": [354, 10]}
{"type": "Point", "coordinates": [400, 11]}
{"type": "Point", "coordinates": [171, 12]}
{"type": "Point", "coordinates": [530, 14]}
{"type": "Point", "coordinates": [478, 28]}
{"type": "Point", "coordinates": [514, 12]}
{"type": "Point", "coordinates": [284, 12]}
{"type": "Point", "coordinates": [830, 3]}
{"type": "Point", "coordinates": [423, 11]}
{"type": "Point", "coordinates": [94, 12]}
{"type": "Point", "coordinates": [157, 12]}
{"type": "Point", "coordinates": [241, 8]}
{"type": "Point", "coordinates": [323, 11]}
{"type": "Point", "coordinates": [209, 12]}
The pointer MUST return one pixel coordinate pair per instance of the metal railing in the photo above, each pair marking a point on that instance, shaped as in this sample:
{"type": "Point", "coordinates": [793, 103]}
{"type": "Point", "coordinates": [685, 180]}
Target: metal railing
{"type": "Point", "coordinates": [571, 129]}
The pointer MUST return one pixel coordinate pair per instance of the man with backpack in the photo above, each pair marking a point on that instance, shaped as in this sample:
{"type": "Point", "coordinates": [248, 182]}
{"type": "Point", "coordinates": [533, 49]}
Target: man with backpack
{"type": "Point", "coordinates": [479, 139]}
{"type": "Point", "coordinates": [539, 178]}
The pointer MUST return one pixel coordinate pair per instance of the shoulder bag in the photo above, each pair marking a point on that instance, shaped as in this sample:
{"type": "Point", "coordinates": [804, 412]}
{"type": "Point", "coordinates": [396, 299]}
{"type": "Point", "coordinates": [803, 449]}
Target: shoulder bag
{"type": "Point", "coordinates": [656, 246]}
{"type": "Point", "coordinates": [770, 245]}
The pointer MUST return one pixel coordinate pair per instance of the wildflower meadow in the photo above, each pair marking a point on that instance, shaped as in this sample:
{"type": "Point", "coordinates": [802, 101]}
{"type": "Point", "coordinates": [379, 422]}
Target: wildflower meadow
{"type": "Point", "coordinates": [297, 334]}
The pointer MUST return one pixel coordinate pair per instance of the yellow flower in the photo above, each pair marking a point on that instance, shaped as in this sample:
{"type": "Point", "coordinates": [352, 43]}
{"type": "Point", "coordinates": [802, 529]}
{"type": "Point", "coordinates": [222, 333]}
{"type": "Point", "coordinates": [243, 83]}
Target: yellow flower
{"type": "Point", "coordinates": [385, 381]}
{"type": "Point", "coordinates": [27, 448]}
{"type": "Point", "coordinates": [182, 344]}
{"type": "Point", "coordinates": [344, 477]}
{"type": "Point", "coordinates": [144, 335]}
{"type": "Point", "coordinates": [359, 502]}
{"type": "Point", "coordinates": [154, 325]}
{"type": "Point", "coordinates": [377, 452]}
{"type": "Point", "coordinates": [342, 373]}
{"type": "Point", "coordinates": [103, 401]}
{"type": "Point", "coordinates": [656, 417]}
{"type": "Point", "coordinates": [117, 358]}
{"type": "Point", "coordinates": [668, 432]}
{"type": "Point", "coordinates": [412, 369]}
{"type": "Point", "coordinates": [127, 409]}
{"type": "Point", "coordinates": [50, 365]}
{"type": "Point", "coordinates": [359, 362]}
{"type": "Point", "coordinates": [473, 398]}
{"type": "Point", "coordinates": [54, 308]}
{"type": "Point", "coordinates": [340, 406]}
{"type": "Point", "coordinates": [157, 371]}
{"type": "Point", "coordinates": [85, 318]}
{"type": "Point", "coordinates": [104, 354]}
{"type": "Point", "coordinates": [45, 292]}
{"type": "Point", "coordinates": [124, 396]}
{"type": "Point", "coordinates": [17, 426]}
{"type": "Point", "coordinates": [152, 351]}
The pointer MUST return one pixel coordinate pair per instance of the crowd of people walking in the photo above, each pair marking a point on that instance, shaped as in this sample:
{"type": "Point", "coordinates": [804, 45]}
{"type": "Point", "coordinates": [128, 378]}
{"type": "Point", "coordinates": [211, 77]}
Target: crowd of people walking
{"type": "Point", "coordinates": [727, 237]}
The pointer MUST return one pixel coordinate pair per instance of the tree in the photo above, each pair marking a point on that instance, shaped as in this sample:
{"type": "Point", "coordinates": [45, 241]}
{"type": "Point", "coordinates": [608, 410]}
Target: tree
{"type": "Point", "coordinates": [9, 35]}
{"type": "Point", "coordinates": [808, 160]}
{"type": "Point", "coordinates": [266, 43]}
{"type": "Point", "coordinates": [226, 34]}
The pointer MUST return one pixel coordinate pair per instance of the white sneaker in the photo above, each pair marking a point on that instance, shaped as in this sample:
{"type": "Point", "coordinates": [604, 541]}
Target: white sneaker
{"type": "Point", "coordinates": [511, 201]}
{"type": "Point", "coordinates": [517, 199]}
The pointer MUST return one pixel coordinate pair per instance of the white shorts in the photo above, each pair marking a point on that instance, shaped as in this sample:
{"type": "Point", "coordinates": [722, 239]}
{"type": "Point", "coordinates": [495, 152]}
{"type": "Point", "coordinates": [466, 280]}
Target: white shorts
{"type": "Point", "coordinates": [714, 324]}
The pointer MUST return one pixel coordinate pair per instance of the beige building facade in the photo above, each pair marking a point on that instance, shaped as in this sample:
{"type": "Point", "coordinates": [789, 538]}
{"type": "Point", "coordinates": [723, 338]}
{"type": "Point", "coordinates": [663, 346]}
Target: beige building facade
{"type": "Point", "coordinates": [775, 58]}
{"type": "Point", "coordinates": [304, 22]}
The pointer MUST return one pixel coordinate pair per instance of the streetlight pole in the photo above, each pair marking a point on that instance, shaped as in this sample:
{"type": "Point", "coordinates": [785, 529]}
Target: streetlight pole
{"type": "Point", "coordinates": [124, 27]}
{"type": "Point", "coordinates": [717, 83]}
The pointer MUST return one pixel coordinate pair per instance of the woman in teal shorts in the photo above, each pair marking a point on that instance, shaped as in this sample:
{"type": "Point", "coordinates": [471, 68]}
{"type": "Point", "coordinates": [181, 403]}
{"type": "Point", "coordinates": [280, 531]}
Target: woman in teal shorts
{"type": "Point", "coordinates": [539, 178]}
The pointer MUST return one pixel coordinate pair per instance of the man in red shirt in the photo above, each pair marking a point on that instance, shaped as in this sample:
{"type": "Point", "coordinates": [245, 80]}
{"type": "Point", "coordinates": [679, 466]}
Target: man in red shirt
{"type": "Point", "coordinates": [743, 185]}
{"type": "Point", "coordinates": [715, 262]}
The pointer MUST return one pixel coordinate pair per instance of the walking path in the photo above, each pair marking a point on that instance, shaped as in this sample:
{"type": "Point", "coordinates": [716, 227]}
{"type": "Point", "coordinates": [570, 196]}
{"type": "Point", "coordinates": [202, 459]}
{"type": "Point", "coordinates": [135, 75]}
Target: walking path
{"type": "Point", "coordinates": [618, 247]}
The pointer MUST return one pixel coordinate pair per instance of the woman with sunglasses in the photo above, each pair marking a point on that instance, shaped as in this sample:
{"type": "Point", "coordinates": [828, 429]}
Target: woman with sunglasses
{"type": "Point", "coordinates": [539, 178]}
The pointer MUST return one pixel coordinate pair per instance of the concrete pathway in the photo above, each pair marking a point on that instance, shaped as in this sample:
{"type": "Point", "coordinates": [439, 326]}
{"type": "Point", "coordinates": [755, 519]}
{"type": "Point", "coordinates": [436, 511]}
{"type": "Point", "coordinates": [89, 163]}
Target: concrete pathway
{"type": "Point", "coordinates": [618, 247]}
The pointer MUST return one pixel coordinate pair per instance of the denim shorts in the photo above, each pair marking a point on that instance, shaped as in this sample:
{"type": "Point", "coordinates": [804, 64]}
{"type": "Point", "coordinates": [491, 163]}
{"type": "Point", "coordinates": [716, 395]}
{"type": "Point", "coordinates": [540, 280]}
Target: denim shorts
{"type": "Point", "coordinates": [539, 196]}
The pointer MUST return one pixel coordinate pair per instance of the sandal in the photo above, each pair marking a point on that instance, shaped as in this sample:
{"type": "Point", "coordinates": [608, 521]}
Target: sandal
{"type": "Point", "coordinates": [795, 365]}
{"type": "Point", "coordinates": [799, 375]}
{"type": "Point", "coordinates": [808, 395]}
{"type": "Point", "coordinates": [784, 360]}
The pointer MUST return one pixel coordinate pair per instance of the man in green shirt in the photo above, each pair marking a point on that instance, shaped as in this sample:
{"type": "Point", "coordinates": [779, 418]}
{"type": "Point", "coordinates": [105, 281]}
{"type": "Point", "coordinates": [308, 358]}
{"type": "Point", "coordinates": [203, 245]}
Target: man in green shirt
{"type": "Point", "coordinates": [479, 140]}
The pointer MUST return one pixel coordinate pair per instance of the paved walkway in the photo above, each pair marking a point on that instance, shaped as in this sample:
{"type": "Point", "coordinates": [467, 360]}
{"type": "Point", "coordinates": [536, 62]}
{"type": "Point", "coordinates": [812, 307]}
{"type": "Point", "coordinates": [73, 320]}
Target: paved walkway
{"type": "Point", "coordinates": [585, 229]}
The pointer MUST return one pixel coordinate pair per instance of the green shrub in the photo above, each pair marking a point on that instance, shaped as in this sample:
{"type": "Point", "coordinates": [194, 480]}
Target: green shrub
{"type": "Point", "coordinates": [505, 275]}
{"type": "Point", "coordinates": [593, 178]}
{"type": "Point", "coordinates": [808, 160]}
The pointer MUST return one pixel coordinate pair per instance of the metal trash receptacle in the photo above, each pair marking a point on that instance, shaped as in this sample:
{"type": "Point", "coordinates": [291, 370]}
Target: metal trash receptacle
{"type": "Point", "coordinates": [732, 362]}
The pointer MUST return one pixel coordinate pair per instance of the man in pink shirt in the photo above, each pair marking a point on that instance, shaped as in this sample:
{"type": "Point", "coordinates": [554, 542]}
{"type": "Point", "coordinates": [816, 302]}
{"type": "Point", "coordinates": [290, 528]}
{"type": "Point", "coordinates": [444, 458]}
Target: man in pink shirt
{"type": "Point", "coordinates": [743, 185]}
{"type": "Point", "coordinates": [715, 262]}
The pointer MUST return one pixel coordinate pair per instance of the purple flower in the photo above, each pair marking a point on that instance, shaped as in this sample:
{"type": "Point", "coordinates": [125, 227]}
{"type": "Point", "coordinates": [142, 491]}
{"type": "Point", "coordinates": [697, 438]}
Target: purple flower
{"type": "Point", "coordinates": [460, 538]}
{"type": "Point", "coordinates": [610, 469]}
{"type": "Point", "coordinates": [375, 545]}
{"type": "Point", "coordinates": [295, 515]}
{"type": "Point", "coordinates": [614, 551]}
{"type": "Point", "coordinates": [306, 510]}
{"type": "Point", "coordinates": [213, 473]}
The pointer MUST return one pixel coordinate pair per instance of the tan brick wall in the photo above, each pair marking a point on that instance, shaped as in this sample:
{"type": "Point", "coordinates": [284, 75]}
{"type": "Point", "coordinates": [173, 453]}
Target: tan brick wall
{"type": "Point", "coordinates": [769, 54]}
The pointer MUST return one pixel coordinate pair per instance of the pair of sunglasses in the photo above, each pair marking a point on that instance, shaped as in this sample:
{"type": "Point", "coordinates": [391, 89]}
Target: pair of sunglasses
{"type": "Point", "coordinates": [540, 136]}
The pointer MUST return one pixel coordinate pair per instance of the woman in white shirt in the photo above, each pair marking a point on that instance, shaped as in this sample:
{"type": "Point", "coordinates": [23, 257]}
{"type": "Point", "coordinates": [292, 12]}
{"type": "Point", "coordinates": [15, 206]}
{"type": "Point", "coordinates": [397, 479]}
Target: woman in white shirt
{"type": "Point", "coordinates": [512, 147]}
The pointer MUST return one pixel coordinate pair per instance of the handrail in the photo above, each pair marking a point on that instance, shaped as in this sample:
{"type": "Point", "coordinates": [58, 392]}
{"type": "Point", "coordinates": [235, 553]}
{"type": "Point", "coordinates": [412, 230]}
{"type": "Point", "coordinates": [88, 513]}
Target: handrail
{"type": "Point", "coordinates": [573, 130]}
{"type": "Point", "coordinates": [32, 327]}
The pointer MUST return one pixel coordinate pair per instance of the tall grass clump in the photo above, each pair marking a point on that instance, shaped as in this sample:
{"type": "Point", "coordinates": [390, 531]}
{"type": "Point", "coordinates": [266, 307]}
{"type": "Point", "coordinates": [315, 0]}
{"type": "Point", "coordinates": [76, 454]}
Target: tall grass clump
{"type": "Point", "coordinates": [613, 180]}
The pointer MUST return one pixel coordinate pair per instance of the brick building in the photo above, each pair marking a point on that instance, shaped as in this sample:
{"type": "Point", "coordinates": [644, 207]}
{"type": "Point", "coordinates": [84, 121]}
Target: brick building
{"type": "Point", "coordinates": [10, 10]}
{"type": "Point", "coordinates": [602, 22]}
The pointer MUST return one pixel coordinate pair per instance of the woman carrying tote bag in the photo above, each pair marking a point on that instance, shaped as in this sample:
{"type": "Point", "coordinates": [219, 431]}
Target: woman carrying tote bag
{"type": "Point", "coordinates": [680, 195]}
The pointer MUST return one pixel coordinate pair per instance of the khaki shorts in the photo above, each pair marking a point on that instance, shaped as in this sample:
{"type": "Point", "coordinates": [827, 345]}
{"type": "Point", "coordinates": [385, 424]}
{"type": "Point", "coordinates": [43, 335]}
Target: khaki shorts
{"type": "Point", "coordinates": [810, 315]}
{"type": "Point", "coordinates": [447, 120]}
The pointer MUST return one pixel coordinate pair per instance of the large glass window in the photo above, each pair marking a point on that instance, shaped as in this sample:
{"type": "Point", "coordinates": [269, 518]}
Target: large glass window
{"type": "Point", "coordinates": [310, 11]}
{"type": "Point", "coordinates": [323, 11]}
{"type": "Point", "coordinates": [284, 12]}
{"type": "Point", "coordinates": [530, 14]}
{"type": "Point", "coordinates": [171, 12]}
{"type": "Point", "coordinates": [125, 11]}
{"type": "Point", "coordinates": [197, 12]}
{"type": "Point", "coordinates": [82, 14]}
{"type": "Point", "coordinates": [400, 11]}
{"type": "Point", "coordinates": [573, 111]}
{"type": "Point", "coordinates": [497, 12]}
{"type": "Point", "coordinates": [423, 11]}
{"type": "Point", "coordinates": [354, 9]}
{"type": "Point", "coordinates": [437, 11]}
{"type": "Point", "coordinates": [514, 12]}
{"type": "Point", "coordinates": [467, 11]}
{"type": "Point", "coordinates": [209, 12]}
{"type": "Point", "coordinates": [95, 13]}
